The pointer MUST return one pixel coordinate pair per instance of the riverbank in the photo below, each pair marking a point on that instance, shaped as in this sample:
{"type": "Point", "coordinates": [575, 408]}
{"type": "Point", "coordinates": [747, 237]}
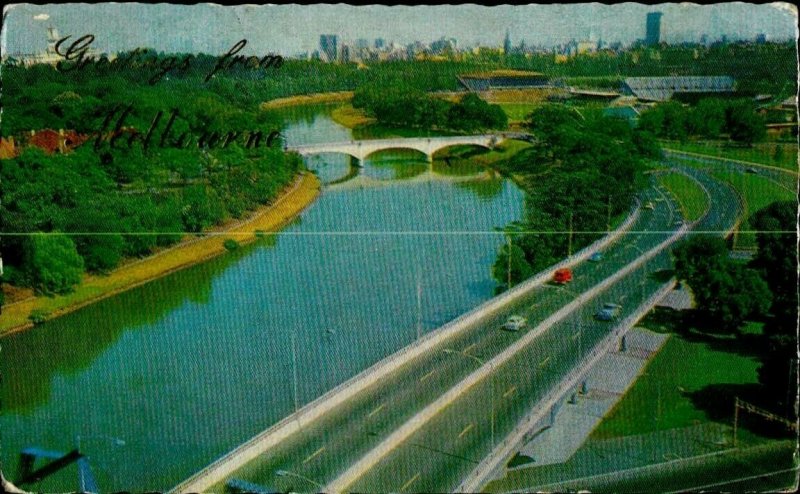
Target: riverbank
{"type": "Point", "coordinates": [299, 195]}
{"type": "Point", "coordinates": [307, 99]}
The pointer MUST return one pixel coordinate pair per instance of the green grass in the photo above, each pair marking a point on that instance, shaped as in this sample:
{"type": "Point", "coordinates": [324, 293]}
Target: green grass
{"type": "Point", "coordinates": [517, 112]}
{"type": "Point", "coordinates": [660, 399]}
{"type": "Point", "coordinates": [763, 153]}
{"type": "Point", "coordinates": [757, 192]}
{"type": "Point", "coordinates": [691, 197]}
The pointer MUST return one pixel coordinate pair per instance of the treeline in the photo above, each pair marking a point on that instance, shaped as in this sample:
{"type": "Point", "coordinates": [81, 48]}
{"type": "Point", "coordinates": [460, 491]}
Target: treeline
{"type": "Point", "coordinates": [409, 108]}
{"type": "Point", "coordinates": [87, 209]}
{"type": "Point", "coordinates": [710, 118]}
{"type": "Point", "coordinates": [79, 212]}
{"type": "Point", "coordinates": [579, 175]}
{"type": "Point", "coordinates": [729, 293]}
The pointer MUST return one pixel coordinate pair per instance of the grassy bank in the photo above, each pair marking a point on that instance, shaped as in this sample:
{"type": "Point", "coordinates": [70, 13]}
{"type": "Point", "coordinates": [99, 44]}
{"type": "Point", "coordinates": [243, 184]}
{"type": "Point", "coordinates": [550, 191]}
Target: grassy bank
{"type": "Point", "coordinates": [309, 99]}
{"type": "Point", "coordinates": [350, 117]}
{"type": "Point", "coordinates": [756, 192]}
{"type": "Point", "coordinates": [781, 155]}
{"type": "Point", "coordinates": [691, 198]}
{"type": "Point", "coordinates": [692, 380]}
{"type": "Point", "coordinates": [189, 252]}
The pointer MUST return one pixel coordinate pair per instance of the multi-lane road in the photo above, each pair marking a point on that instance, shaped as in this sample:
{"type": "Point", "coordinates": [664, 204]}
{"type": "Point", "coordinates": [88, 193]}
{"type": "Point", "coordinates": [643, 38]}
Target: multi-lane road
{"type": "Point", "coordinates": [439, 450]}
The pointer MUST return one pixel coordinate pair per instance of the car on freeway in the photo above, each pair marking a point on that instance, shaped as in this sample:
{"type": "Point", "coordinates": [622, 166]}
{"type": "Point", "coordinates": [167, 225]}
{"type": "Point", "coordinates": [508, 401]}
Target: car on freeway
{"type": "Point", "coordinates": [609, 312]}
{"type": "Point", "coordinates": [562, 276]}
{"type": "Point", "coordinates": [752, 170]}
{"type": "Point", "coordinates": [649, 205]}
{"type": "Point", "coordinates": [515, 323]}
{"type": "Point", "coordinates": [596, 257]}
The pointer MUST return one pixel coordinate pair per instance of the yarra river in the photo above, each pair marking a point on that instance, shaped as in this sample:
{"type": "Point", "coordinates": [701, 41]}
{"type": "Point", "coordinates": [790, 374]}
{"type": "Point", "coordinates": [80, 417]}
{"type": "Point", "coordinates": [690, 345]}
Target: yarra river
{"type": "Point", "coordinates": [161, 380]}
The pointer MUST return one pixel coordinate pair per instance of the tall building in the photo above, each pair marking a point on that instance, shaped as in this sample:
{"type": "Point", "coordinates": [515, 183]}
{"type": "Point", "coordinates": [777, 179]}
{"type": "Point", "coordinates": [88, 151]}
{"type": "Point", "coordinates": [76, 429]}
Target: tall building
{"type": "Point", "coordinates": [507, 44]}
{"type": "Point", "coordinates": [329, 47]}
{"type": "Point", "coordinates": [653, 36]}
{"type": "Point", "coordinates": [380, 43]}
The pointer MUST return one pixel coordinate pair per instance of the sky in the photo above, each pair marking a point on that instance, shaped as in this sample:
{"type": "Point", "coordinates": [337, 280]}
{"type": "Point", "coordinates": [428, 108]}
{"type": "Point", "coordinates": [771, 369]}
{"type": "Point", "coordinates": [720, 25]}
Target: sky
{"type": "Point", "coordinates": [291, 29]}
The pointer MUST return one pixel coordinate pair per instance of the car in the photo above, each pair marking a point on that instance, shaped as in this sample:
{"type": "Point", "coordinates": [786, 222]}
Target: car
{"type": "Point", "coordinates": [609, 312]}
{"type": "Point", "coordinates": [649, 205]}
{"type": "Point", "coordinates": [515, 323]}
{"type": "Point", "coordinates": [596, 257]}
{"type": "Point", "coordinates": [752, 170]}
{"type": "Point", "coordinates": [562, 276]}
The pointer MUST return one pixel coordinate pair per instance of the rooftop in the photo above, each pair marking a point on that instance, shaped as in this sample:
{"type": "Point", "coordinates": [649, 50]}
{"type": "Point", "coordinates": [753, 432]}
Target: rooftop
{"type": "Point", "coordinates": [663, 88]}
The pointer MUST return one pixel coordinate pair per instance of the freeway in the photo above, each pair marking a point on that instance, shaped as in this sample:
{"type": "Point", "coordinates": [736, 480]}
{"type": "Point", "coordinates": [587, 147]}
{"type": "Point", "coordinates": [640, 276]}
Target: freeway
{"type": "Point", "coordinates": [324, 449]}
{"type": "Point", "coordinates": [441, 453]}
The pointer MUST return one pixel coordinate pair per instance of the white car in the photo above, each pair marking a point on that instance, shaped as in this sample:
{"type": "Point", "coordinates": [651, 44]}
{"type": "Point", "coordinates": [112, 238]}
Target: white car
{"type": "Point", "coordinates": [515, 323]}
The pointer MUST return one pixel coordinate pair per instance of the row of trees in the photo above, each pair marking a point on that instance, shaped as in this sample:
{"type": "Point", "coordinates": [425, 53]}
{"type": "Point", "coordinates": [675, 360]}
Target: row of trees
{"type": "Point", "coordinates": [410, 108]}
{"type": "Point", "coordinates": [579, 175]}
{"type": "Point", "coordinates": [710, 118]}
{"type": "Point", "coordinates": [729, 293]}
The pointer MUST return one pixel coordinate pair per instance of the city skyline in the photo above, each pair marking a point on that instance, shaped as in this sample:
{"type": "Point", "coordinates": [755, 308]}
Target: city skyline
{"type": "Point", "coordinates": [292, 29]}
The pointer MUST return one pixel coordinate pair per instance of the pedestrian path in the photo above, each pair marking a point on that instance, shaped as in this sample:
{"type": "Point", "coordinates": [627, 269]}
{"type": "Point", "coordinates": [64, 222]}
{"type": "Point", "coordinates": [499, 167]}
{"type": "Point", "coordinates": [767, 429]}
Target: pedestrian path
{"type": "Point", "coordinates": [606, 383]}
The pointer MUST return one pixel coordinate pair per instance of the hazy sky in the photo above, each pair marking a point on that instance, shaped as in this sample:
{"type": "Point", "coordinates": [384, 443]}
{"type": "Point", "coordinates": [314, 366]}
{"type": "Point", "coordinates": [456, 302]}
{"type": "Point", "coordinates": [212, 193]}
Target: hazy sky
{"type": "Point", "coordinates": [289, 29]}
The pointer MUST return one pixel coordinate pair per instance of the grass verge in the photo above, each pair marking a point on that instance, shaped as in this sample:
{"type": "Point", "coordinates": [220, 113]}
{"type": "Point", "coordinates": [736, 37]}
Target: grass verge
{"type": "Point", "coordinates": [778, 154]}
{"type": "Point", "coordinates": [683, 384]}
{"type": "Point", "coordinates": [691, 198]}
{"type": "Point", "coordinates": [189, 252]}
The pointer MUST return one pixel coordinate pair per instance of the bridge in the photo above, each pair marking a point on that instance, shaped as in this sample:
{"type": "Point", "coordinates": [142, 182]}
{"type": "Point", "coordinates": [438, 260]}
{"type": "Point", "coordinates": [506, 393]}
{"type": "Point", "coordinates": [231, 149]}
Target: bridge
{"type": "Point", "coordinates": [426, 145]}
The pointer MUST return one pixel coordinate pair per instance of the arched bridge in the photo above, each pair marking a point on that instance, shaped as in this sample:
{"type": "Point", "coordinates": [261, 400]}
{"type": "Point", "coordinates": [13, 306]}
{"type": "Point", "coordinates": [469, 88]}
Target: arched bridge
{"type": "Point", "coordinates": [426, 145]}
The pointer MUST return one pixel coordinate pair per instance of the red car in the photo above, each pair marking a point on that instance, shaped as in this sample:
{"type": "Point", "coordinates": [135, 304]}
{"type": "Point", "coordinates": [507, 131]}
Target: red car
{"type": "Point", "coordinates": [562, 276]}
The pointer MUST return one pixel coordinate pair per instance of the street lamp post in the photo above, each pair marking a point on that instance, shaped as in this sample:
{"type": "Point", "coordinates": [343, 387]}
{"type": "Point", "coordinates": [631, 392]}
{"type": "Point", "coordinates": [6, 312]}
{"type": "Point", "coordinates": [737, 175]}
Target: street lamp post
{"type": "Point", "coordinates": [294, 371]}
{"type": "Point", "coordinates": [115, 440]}
{"type": "Point", "coordinates": [286, 473]}
{"type": "Point", "coordinates": [491, 387]}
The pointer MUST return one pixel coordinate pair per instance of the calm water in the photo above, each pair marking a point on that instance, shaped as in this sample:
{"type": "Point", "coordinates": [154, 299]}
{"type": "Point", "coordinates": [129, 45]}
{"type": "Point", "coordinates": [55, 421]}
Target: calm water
{"type": "Point", "coordinates": [187, 367]}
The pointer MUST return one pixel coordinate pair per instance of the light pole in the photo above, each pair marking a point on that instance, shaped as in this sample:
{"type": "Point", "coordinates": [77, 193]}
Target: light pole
{"type": "Point", "coordinates": [294, 370]}
{"type": "Point", "coordinates": [644, 273]}
{"type": "Point", "coordinates": [491, 387]}
{"type": "Point", "coordinates": [115, 440]}
{"type": "Point", "coordinates": [286, 473]}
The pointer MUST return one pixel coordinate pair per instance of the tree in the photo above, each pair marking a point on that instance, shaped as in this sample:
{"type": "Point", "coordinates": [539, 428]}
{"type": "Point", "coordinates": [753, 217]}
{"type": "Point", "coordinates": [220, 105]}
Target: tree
{"type": "Point", "coordinates": [52, 263]}
{"type": "Point", "coordinates": [744, 124]}
{"type": "Point", "coordinates": [726, 293]}
{"type": "Point", "coordinates": [776, 260]}
{"type": "Point", "coordinates": [511, 264]}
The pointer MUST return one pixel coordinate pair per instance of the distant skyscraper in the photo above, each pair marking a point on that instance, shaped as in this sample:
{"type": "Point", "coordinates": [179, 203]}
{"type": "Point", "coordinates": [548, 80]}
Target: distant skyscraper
{"type": "Point", "coordinates": [653, 36]}
{"type": "Point", "coordinates": [329, 46]}
{"type": "Point", "coordinates": [380, 43]}
{"type": "Point", "coordinates": [507, 44]}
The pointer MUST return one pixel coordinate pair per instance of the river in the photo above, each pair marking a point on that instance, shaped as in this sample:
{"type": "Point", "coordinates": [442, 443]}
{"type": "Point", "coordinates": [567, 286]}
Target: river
{"type": "Point", "coordinates": [163, 379]}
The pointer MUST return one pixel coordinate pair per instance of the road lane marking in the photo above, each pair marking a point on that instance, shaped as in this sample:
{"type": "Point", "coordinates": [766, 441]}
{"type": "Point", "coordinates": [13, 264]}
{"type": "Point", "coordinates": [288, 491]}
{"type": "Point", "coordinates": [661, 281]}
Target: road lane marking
{"type": "Point", "coordinates": [426, 376]}
{"type": "Point", "coordinates": [469, 347]}
{"type": "Point", "coordinates": [409, 482]}
{"type": "Point", "coordinates": [544, 362]}
{"type": "Point", "coordinates": [382, 405]}
{"type": "Point", "coordinates": [314, 455]}
{"type": "Point", "coordinates": [466, 429]}
{"type": "Point", "coordinates": [509, 391]}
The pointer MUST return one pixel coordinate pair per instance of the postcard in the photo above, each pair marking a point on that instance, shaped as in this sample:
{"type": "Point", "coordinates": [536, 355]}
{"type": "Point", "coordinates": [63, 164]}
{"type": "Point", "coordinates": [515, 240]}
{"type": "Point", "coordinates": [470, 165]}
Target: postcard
{"type": "Point", "coordinates": [453, 248]}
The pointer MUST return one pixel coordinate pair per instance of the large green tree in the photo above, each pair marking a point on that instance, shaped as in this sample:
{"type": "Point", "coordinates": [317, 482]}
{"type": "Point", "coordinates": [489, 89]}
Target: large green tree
{"type": "Point", "coordinates": [52, 263]}
{"type": "Point", "coordinates": [726, 293]}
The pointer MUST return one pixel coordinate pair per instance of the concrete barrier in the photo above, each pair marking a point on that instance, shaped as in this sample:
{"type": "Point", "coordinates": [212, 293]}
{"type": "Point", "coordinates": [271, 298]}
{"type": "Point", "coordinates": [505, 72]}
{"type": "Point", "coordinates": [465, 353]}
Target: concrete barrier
{"type": "Point", "coordinates": [251, 449]}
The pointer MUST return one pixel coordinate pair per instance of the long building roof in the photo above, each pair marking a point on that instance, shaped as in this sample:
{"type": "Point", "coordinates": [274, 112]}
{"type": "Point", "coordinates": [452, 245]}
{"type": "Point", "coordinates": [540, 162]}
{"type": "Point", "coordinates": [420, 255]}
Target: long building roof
{"type": "Point", "coordinates": [663, 88]}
